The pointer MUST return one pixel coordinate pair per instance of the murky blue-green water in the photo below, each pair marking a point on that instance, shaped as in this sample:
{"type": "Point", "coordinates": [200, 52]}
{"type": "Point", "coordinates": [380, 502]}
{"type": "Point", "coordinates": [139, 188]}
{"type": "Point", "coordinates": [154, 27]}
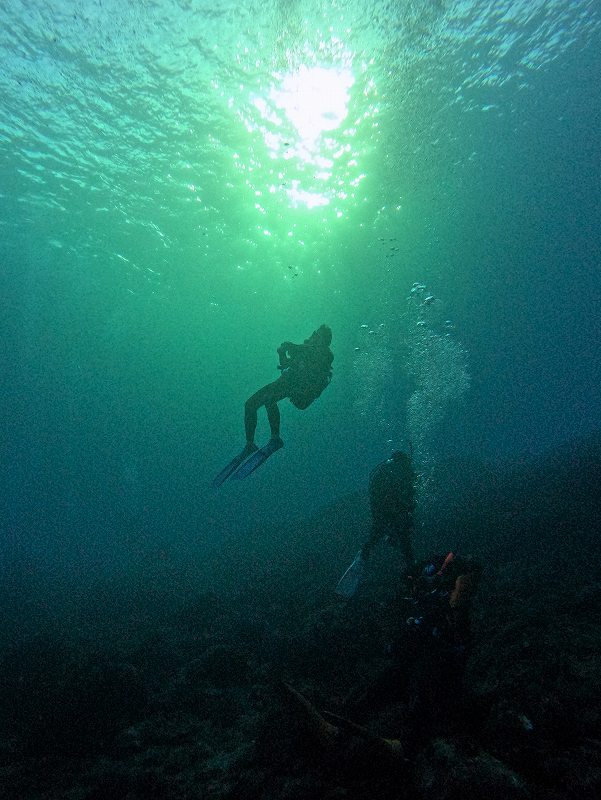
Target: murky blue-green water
{"type": "Point", "coordinates": [183, 185]}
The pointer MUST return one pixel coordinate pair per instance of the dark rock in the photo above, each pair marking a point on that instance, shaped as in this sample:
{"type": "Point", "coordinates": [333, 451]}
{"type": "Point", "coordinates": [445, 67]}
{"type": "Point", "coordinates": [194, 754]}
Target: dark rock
{"type": "Point", "coordinates": [220, 665]}
{"type": "Point", "coordinates": [443, 772]}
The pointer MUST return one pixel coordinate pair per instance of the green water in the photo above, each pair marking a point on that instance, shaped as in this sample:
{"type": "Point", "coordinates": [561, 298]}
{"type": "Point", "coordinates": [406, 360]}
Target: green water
{"type": "Point", "coordinates": [186, 184]}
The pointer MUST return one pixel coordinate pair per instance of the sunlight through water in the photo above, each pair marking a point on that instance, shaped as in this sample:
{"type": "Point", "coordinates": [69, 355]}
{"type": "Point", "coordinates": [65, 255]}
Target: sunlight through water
{"type": "Point", "coordinates": [315, 100]}
{"type": "Point", "coordinates": [304, 125]}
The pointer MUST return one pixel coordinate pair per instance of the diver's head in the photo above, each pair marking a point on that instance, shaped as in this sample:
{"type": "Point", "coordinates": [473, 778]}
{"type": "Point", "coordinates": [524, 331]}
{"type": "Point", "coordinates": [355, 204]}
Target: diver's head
{"type": "Point", "coordinates": [323, 335]}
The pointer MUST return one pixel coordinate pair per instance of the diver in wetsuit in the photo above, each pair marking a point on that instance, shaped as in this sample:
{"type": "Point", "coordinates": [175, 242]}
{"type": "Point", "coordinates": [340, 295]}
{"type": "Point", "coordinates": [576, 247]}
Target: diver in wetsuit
{"type": "Point", "coordinates": [421, 687]}
{"type": "Point", "coordinates": [430, 651]}
{"type": "Point", "coordinates": [306, 371]}
{"type": "Point", "coordinates": [392, 506]}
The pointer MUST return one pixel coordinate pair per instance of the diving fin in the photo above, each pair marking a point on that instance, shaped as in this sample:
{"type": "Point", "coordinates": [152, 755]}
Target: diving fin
{"type": "Point", "coordinates": [331, 731]}
{"type": "Point", "coordinates": [350, 581]}
{"type": "Point", "coordinates": [258, 458]}
{"type": "Point", "coordinates": [390, 747]}
{"type": "Point", "coordinates": [233, 465]}
{"type": "Point", "coordinates": [323, 731]}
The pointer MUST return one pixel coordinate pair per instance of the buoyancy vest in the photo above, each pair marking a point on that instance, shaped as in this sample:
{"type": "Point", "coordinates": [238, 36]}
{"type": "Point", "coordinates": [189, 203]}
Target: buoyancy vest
{"type": "Point", "coordinates": [392, 487]}
{"type": "Point", "coordinates": [442, 588]}
{"type": "Point", "coordinates": [310, 372]}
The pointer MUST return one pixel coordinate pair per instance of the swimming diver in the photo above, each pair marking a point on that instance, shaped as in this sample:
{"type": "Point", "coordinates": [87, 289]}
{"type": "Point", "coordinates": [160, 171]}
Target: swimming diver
{"type": "Point", "coordinates": [306, 370]}
{"type": "Point", "coordinates": [392, 506]}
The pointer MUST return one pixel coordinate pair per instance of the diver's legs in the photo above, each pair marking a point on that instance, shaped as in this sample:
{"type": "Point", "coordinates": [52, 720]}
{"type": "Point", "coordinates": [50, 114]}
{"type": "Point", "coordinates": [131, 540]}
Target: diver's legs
{"type": "Point", "coordinates": [375, 534]}
{"type": "Point", "coordinates": [250, 419]}
{"type": "Point", "coordinates": [399, 531]}
{"type": "Point", "coordinates": [273, 415]}
{"type": "Point", "coordinates": [268, 396]}
{"type": "Point", "coordinates": [404, 536]}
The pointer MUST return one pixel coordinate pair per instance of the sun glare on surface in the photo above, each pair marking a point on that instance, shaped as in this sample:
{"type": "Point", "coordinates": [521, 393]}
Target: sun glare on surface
{"type": "Point", "coordinates": [315, 100]}
{"type": "Point", "coordinates": [308, 120]}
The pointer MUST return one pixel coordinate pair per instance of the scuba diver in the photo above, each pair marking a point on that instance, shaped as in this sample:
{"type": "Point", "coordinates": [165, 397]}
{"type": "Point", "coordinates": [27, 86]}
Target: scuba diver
{"type": "Point", "coordinates": [420, 689]}
{"type": "Point", "coordinates": [306, 370]}
{"type": "Point", "coordinates": [392, 505]}
{"type": "Point", "coordinates": [430, 651]}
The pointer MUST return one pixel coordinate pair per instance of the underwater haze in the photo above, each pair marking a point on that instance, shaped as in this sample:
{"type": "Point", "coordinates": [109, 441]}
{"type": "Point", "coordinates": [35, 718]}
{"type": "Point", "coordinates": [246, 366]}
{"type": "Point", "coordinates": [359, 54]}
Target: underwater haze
{"type": "Point", "coordinates": [185, 184]}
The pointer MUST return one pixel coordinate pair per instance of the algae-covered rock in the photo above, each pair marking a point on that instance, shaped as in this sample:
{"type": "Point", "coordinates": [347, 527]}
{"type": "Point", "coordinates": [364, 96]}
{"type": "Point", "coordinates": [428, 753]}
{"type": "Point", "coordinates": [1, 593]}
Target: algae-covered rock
{"type": "Point", "coordinates": [220, 665]}
{"type": "Point", "coordinates": [444, 772]}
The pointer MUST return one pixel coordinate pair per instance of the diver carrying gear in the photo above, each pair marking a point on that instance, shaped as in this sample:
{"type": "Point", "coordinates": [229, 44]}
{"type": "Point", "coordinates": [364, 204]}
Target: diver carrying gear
{"type": "Point", "coordinates": [440, 593]}
{"type": "Point", "coordinates": [306, 371]}
{"type": "Point", "coordinates": [307, 367]}
{"type": "Point", "coordinates": [392, 505]}
{"type": "Point", "coordinates": [430, 651]}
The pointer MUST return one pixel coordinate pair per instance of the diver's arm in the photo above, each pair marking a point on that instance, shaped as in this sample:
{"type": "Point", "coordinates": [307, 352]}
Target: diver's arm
{"type": "Point", "coordinates": [284, 354]}
{"type": "Point", "coordinates": [287, 351]}
{"type": "Point", "coordinates": [283, 361]}
{"type": "Point", "coordinates": [291, 348]}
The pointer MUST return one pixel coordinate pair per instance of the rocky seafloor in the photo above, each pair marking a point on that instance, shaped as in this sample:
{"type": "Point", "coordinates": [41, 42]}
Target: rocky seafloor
{"type": "Point", "coordinates": [151, 687]}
